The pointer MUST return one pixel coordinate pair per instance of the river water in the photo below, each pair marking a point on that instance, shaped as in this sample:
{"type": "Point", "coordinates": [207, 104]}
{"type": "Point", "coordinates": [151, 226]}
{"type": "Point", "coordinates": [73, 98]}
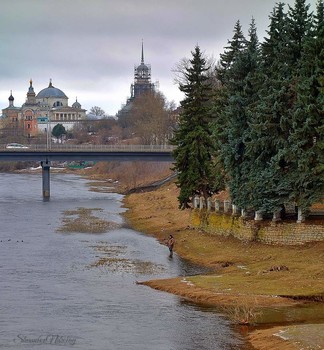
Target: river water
{"type": "Point", "coordinates": [53, 291]}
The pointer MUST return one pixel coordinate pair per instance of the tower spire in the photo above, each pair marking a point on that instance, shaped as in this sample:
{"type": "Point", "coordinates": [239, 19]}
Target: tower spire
{"type": "Point", "coordinates": [142, 59]}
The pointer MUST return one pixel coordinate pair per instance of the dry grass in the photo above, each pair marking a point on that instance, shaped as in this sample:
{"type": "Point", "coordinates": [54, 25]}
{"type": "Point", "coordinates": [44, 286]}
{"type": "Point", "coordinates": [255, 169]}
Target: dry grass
{"type": "Point", "coordinates": [120, 265]}
{"type": "Point", "coordinates": [111, 261]}
{"type": "Point", "coordinates": [129, 175]}
{"type": "Point", "coordinates": [248, 264]}
{"type": "Point", "coordinates": [83, 221]}
{"type": "Point", "coordinates": [244, 312]}
{"type": "Point", "coordinates": [103, 186]}
{"type": "Point", "coordinates": [266, 340]}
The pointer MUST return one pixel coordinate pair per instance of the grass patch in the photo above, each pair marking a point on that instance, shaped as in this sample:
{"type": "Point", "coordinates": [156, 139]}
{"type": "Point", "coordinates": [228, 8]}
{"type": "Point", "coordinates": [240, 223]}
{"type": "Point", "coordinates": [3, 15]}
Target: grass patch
{"type": "Point", "coordinates": [112, 262]}
{"type": "Point", "coordinates": [82, 220]}
{"type": "Point", "coordinates": [135, 266]}
{"type": "Point", "coordinates": [110, 250]}
{"type": "Point", "coordinates": [245, 267]}
{"type": "Point", "coordinates": [113, 259]}
{"type": "Point", "coordinates": [243, 312]}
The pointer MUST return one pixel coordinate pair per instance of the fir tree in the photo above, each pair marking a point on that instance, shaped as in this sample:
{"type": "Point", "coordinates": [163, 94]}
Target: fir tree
{"type": "Point", "coordinates": [266, 136]}
{"type": "Point", "coordinates": [232, 115]}
{"type": "Point", "coordinates": [228, 58]}
{"type": "Point", "coordinates": [307, 133]}
{"type": "Point", "coordinates": [299, 29]}
{"type": "Point", "coordinates": [193, 138]}
{"type": "Point", "coordinates": [250, 93]}
{"type": "Point", "coordinates": [238, 68]}
{"type": "Point", "coordinates": [272, 124]}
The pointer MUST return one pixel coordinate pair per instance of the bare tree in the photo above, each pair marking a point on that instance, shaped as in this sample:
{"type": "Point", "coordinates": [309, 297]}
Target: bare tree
{"type": "Point", "coordinates": [97, 111]}
{"type": "Point", "coordinates": [180, 69]}
{"type": "Point", "coordinates": [151, 118]}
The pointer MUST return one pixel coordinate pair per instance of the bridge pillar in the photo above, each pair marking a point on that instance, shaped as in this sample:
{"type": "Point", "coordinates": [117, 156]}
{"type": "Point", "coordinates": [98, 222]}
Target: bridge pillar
{"type": "Point", "coordinates": [46, 179]}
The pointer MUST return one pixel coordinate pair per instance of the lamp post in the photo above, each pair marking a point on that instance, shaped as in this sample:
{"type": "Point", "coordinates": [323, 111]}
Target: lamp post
{"type": "Point", "coordinates": [46, 164]}
{"type": "Point", "coordinates": [48, 129]}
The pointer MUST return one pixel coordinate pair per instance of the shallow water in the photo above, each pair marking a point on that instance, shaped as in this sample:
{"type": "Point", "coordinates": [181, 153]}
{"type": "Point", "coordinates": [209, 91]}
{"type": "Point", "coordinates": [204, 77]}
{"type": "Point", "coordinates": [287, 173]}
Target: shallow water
{"type": "Point", "coordinates": [54, 292]}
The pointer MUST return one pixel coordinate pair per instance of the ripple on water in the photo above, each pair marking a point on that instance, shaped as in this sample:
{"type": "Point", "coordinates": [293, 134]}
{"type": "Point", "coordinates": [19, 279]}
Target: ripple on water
{"type": "Point", "coordinates": [48, 285]}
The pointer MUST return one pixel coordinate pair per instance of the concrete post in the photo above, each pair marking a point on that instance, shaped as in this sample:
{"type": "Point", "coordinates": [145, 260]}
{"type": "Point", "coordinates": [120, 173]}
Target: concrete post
{"type": "Point", "coordinates": [196, 202]}
{"type": "Point", "coordinates": [243, 213]}
{"type": "Point", "coordinates": [276, 216]}
{"type": "Point", "coordinates": [258, 216]}
{"type": "Point", "coordinates": [300, 217]}
{"type": "Point", "coordinates": [201, 202]}
{"type": "Point", "coordinates": [227, 205]}
{"type": "Point", "coordinates": [209, 204]}
{"type": "Point", "coordinates": [217, 205]}
{"type": "Point", "coordinates": [46, 179]}
{"type": "Point", "coordinates": [235, 210]}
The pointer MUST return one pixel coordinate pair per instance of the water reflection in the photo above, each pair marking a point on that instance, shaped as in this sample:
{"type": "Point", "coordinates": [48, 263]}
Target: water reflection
{"type": "Point", "coordinates": [308, 312]}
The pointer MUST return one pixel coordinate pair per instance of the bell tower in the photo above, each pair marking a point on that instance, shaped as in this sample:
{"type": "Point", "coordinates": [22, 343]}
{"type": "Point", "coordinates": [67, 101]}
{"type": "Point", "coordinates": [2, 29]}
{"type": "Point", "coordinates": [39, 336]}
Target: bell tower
{"type": "Point", "coordinates": [142, 78]}
{"type": "Point", "coordinates": [31, 96]}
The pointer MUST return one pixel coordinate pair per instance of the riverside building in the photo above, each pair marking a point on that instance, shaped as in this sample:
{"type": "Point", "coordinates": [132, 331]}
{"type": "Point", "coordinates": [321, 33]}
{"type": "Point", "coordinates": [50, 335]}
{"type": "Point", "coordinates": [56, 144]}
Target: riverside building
{"type": "Point", "coordinates": [42, 111]}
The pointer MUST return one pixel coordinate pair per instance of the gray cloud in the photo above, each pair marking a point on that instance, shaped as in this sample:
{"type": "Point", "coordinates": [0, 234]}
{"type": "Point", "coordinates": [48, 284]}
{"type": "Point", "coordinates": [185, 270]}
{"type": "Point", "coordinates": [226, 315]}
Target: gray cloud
{"type": "Point", "coordinates": [89, 48]}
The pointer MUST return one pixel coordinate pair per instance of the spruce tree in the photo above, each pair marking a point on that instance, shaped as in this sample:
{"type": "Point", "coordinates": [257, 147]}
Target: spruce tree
{"type": "Point", "coordinates": [272, 124]}
{"type": "Point", "coordinates": [232, 51]}
{"type": "Point", "coordinates": [232, 114]}
{"type": "Point", "coordinates": [306, 152]}
{"type": "Point", "coordinates": [299, 33]}
{"type": "Point", "coordinates": [266, 136]}
{"type": "Point", "coordinates": [299, 29]}
{"type": "Point", "coordinates": [250, 62]}
{"type": "Point", "coordinates": [193, 138]}
{"type": "Point", "coordinates": [237, 69]}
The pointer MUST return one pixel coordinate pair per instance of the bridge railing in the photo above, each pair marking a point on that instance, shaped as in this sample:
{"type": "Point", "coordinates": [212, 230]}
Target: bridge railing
{"type": "Point", "coordinates": [89, 147]}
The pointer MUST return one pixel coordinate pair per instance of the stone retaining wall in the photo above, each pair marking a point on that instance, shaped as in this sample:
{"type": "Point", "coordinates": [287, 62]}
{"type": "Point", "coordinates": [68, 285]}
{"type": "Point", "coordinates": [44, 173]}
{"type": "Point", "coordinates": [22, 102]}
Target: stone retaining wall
{"type": "Point", "coordinates": [250, 230]}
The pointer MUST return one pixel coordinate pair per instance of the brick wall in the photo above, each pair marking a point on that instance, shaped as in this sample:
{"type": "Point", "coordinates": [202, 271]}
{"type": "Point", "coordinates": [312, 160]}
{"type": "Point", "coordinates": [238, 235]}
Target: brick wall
{"type": "Point", "coordinates": [265, 231]}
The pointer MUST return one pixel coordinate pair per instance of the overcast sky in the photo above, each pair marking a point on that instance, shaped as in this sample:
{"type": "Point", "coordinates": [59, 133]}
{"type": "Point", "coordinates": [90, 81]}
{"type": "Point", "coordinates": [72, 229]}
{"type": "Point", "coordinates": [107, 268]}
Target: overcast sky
{"type": "Point", "coordinates": [89, 47]}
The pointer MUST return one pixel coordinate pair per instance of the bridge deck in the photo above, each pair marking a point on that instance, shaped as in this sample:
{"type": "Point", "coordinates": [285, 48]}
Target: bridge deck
{"type": "Point", "coordinates": [88, 153]}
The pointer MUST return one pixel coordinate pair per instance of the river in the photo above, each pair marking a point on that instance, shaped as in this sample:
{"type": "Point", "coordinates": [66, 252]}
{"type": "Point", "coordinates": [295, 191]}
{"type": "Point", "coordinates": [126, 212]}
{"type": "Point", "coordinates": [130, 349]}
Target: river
{"type": "Point", "coordinates": [55, 292]}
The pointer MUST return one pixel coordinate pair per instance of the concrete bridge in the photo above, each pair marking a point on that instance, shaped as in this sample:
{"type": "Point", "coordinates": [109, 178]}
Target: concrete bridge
{"type": "Point", "coordinates": [63, 152]}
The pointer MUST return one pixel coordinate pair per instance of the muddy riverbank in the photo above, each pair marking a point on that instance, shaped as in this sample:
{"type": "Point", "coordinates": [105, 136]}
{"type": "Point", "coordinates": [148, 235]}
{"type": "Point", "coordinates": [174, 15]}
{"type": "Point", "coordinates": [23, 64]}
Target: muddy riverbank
{"type": "Point", "coordinates": [243, 273]}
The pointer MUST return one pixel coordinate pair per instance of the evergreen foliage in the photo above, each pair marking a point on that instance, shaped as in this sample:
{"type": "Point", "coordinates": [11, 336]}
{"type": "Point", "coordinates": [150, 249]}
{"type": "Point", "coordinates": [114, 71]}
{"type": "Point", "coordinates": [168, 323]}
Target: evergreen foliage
{"type": "Point", "coordinates": [267, 116]}
{"type": "Point", "coordinates": [307, 133]}
{"type": "Point", "coordinates": [267, 136]}
{"type": "Point", "coordinates": [58, 131]}
{"type": "Point", "coordinates": [194, 161]}
{"type": "Point", "coordinates": [239, 80]}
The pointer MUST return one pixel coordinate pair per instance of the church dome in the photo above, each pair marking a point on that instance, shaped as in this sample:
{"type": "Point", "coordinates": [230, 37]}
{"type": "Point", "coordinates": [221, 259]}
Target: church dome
{"type": "Point", "coordinates": [142, 67]}
{"type": "Point", "coordinates": [76, 104]}
{"type": "Point", "coordinates": [51, 91]}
